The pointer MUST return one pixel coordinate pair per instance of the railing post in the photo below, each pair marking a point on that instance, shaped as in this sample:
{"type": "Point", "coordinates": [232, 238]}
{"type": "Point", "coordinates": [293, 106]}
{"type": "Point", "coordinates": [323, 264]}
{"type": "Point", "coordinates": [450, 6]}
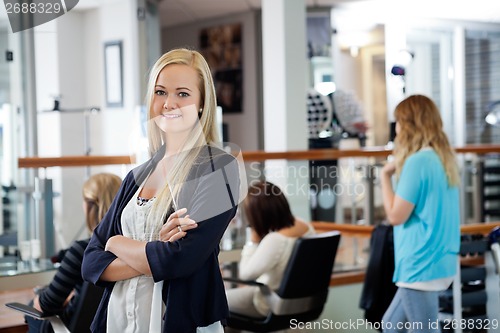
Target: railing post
{"type": "Point", "coordinates": [457, 298]}
{"type": "Point", "coordinates": [44, 216]}
{"type": "Point", "coordinates": [478, 190]}
{"type": "Point", "coordinates": [492, 289]}
{"type": "Point", "coordinates": [370, 197]}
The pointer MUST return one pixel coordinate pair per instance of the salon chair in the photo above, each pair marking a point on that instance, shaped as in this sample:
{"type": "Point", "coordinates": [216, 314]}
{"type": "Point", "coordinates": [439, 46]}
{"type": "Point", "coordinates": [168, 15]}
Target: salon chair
{"type": "Point", "coordinates": [303, 291]}
{"type": "Point", "coordinates": [86, 307]}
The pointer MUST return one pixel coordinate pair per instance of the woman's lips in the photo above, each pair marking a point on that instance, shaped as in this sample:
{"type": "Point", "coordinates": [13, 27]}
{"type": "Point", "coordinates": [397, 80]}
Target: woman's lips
{"type": "Point", "coordinates": [170, 116]}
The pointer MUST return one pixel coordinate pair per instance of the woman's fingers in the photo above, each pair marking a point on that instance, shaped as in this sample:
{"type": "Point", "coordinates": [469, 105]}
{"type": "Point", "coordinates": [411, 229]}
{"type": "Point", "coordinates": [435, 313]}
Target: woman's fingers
{"type": "Point", "coordinates": [176, 226]}
{"type": "Point", "coordinates": [182, 231]}
{"type": "Point", "coordinates": [186, 224]}
{"type": "Point", "coordinates": [178, 232]}
{"type": "Point", "coordinates": [171, 224]}
{"type": "Point", "coordinates": [178, 213]}
{"type": "Point", "coordinates": [176, 236]}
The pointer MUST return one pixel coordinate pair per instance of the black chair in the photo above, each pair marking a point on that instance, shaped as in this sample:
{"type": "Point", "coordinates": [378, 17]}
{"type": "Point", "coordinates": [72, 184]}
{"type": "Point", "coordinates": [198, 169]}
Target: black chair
{"type": "Point", "coordinates": [303, 291]}
{"type": "Point", "coordinates": [85, 309]}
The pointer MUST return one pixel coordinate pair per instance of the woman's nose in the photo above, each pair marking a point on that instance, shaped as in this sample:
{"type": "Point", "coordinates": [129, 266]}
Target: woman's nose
{"type": "Point", "coordinates": [170, 103]}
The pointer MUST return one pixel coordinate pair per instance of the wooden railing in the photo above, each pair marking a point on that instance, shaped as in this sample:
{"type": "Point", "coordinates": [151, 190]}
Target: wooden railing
{"type": "Point", "coordinates": [332, 154]}
{"type": "Point", "coordinates": [348, 230]}
{"type": "Point", "coordinates": [366, 230]}
{"type": "Point", "coordinates": [248, 156]}
{"type": "Point", "coordinates": [259, 156]}
{"type": "Point", "coordinates": [73, 161]}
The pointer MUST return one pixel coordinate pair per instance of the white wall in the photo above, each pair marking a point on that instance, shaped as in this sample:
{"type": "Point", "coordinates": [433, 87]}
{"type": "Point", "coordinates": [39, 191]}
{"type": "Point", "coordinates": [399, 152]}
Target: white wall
{"type": "Point", "coordinates": [118, 22]}
{"type": "Point", "coordinates": [4, 68]}
{"type": "Point", "coordinates": [244, 129]}
{"type": "Point", "coordinates": [47, 86]}
{"type": "Point", "coordinates": [70, 63]}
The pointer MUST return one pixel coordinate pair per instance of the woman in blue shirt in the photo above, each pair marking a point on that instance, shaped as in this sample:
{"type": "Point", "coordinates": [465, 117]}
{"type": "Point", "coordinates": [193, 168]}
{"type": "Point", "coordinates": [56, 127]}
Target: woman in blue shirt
{"type": "Point", "coordinates": [424, 210]}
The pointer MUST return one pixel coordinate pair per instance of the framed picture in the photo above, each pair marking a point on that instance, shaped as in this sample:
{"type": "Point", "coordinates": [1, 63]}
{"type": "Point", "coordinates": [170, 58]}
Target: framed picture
{"type": "Point", "coordinates": [222, 47]}
{"type": "Point", "coordinates": [113, 73]}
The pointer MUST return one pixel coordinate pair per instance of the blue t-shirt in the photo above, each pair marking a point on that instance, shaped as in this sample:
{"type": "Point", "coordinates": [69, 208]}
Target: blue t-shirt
{"type": "Point", "coordinates": [427, 244]}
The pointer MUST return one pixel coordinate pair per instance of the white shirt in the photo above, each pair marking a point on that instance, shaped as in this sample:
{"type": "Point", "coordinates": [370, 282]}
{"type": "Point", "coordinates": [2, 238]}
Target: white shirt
{"type": "Point", "coordinates": [432, 285]}
{"type": "Point", "coordinates": [130, 304]}
{"type": "Point", "coordinates": [135, 305]}
{"type": "Point", "coordinates": [266, 262]}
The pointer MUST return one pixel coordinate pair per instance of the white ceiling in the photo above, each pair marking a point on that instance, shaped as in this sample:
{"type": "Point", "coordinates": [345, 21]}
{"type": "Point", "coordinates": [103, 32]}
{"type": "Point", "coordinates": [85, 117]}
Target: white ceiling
{"type": "Point", "coordinates": [177, 12]}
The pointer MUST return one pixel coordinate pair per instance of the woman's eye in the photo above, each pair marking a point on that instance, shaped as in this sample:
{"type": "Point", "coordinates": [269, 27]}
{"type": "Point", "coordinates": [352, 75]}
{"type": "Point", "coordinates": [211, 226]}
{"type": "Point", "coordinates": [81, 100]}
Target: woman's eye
{"type": "Point", "coordinates": [159, 92]}
{"type": "Point", "coordinates": [183, 94]}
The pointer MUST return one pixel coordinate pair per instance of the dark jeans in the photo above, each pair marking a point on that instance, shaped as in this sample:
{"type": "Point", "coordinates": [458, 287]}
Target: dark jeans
{"type": "Point", "coordinates": [37, 325]}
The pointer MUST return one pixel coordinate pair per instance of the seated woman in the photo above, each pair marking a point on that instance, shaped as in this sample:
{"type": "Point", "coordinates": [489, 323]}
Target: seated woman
{"type": "Point", "coordinates": [264, 258]}
{"type": "Point", "coordinates": [62, 293]}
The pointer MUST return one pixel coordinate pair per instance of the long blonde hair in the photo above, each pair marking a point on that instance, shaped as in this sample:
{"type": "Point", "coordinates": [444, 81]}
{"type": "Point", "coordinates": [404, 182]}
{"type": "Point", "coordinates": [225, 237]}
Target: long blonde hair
{"type": "Point", "coordinates": [421, 126]}
{"type": "Point", "coordinates": [189, 152]}
{"type": "Point", "coordinates": [98, 192]}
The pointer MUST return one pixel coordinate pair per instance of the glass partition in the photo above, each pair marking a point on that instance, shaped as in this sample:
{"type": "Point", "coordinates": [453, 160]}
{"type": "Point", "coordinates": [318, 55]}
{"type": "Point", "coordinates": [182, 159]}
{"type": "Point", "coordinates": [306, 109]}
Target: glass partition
{"type": "Point", "coordinates": [357, 196]}
{"type": "Point", "coordinates": [8, 206]}
{"type": "Point", "coordinates": [349, 195]}
{"type": "Point", "coordinates": [482, 76]}
{"type": "Point", "coordinates": [17, 138]}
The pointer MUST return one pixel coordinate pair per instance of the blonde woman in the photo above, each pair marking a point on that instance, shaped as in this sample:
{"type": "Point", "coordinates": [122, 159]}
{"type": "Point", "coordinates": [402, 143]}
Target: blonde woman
{"type": "Point", "coordinates": [424, 210]}
{"type": "Point", "coordinates": [156, 251]}
{"type": "Point", "coordinates": [63, 292]}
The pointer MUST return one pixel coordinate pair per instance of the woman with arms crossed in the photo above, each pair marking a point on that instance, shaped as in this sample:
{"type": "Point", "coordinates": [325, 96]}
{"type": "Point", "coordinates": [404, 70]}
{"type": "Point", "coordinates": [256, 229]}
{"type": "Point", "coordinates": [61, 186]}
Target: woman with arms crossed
{"type": "Point", "coordinates": [156, 250]}
{"type": "Point", "coordinates": [425, 212]}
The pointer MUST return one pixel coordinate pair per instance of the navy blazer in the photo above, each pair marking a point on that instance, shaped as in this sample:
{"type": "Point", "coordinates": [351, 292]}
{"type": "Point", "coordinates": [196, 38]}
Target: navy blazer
{"type": "Point", "coordinates": [193, 289]}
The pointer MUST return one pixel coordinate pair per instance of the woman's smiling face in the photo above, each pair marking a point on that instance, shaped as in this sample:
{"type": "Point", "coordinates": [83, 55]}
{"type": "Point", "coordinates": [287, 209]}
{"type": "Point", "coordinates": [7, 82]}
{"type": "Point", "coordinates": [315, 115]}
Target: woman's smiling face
{"type": "Point", "coordinates": [176, 100]}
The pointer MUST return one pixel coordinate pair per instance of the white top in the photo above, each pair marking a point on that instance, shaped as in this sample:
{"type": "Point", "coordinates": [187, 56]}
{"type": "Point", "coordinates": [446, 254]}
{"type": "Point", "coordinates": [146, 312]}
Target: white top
{"type": "Point", "coordinates": [135, 305]}
{"type": "Point", "coordinates": [266, 263]}
{"type": "Point", "coordinates": [432, 285]}
{"type": "Point", "coordinates": [129, 307]}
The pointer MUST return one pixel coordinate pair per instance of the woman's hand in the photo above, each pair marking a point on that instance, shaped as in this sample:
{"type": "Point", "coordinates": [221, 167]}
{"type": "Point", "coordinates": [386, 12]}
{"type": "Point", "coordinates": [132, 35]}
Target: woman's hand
{"type": "Point", "coordinates": [389, 168]}
{"type": "Point", "coordinates": [176, 226]}
{"type": "Point", "coordinates": [254, 236]}
{"type": "Point", "coordinates": [36, 303]}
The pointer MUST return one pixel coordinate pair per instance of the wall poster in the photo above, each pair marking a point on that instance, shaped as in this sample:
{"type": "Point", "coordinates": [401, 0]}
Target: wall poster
{"type": "Point", "coordinates": [222, 47]}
